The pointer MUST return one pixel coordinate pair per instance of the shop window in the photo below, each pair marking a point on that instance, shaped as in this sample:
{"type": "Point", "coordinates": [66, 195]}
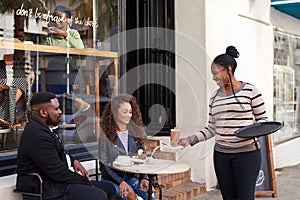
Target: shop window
{"type": "Point", "coordinates": [286, 86]}
{"type": "Point", "coordinates": [31, 64]}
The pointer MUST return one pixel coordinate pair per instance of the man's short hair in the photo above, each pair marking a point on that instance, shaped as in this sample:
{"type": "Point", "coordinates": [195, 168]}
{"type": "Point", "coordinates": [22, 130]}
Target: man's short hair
{"type": "Point", "coordinates": [42, 97]}
{"type": "Point", "coordinates": [63, 9]}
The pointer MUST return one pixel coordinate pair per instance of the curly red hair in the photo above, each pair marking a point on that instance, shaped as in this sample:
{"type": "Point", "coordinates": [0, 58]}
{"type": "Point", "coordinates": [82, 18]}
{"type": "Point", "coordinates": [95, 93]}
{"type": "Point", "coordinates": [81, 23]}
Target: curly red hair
{"type": "Point", "coordinates": [135, 126]}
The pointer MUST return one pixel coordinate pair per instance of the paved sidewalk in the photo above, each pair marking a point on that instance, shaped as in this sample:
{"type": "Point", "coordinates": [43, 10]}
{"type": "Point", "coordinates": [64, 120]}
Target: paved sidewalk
{"type": "Point", "coordinates": [287, 182]}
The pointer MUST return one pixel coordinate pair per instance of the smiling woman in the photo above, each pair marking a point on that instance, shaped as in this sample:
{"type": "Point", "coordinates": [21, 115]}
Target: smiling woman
{"type": "Point", "coordinates": [122, 134]}
{"type": "Point", "coordinates": [233, 106]}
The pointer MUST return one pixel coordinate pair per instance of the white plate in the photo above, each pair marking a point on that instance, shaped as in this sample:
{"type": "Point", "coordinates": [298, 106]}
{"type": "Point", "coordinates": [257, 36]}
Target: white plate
{"type": "Point", "coordinates": [136, 159]}
{"type": "Point", "coordinates": [127, 164]}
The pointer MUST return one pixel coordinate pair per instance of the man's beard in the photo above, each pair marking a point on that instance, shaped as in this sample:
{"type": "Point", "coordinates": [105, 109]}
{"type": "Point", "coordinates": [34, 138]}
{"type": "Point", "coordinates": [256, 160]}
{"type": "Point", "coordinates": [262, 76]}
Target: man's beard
{"type": "Point", "coordinates": [51, 122]}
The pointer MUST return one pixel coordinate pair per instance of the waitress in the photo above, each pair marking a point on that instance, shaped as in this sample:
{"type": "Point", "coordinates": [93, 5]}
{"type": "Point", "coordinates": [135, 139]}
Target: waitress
{"type": "Point", "coordinates": [234, 105]}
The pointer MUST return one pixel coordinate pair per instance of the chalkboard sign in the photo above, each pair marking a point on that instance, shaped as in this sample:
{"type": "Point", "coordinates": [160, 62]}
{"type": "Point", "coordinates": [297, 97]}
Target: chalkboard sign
{"type": "Point", "coordinates": [265, 183]}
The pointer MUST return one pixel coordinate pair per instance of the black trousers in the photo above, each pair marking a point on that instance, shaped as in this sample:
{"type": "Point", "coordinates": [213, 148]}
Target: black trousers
{"type": "Point", "coordinates": [100, 191]}
{"type": "Point", "coordinates": [237, 173]}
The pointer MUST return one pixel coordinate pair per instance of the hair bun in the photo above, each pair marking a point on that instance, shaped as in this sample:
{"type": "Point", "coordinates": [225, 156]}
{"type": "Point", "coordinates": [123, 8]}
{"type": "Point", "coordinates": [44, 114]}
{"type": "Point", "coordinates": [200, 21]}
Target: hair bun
{"type": "Point", "coordinates": [232, 51]}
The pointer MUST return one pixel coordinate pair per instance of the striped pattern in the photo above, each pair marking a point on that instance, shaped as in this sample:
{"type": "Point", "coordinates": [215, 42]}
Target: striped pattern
{"type": "Point", "coordinates": [22, 66]}
{"type": "Point", "coordinates": [21, 72]}
{"type": "Point", "coordinates": [228, 114]}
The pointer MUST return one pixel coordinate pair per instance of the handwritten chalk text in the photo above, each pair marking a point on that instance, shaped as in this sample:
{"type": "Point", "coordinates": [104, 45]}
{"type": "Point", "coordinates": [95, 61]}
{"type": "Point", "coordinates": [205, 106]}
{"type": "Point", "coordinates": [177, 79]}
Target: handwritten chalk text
{"type": "Point", "coordinates": [48, 17]}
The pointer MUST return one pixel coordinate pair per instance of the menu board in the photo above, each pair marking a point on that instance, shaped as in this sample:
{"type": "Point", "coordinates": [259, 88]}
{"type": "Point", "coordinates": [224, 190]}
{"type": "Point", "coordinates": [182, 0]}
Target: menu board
{"type": "Point", "coordinates": [266, 183]}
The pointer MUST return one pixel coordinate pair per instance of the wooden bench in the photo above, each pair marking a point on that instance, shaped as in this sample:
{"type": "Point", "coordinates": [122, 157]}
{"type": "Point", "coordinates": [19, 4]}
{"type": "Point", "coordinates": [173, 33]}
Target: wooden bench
{"type": "Point", "coordinates": [8, 165]}
{"type": "Point", "coordinates": [81, 152]}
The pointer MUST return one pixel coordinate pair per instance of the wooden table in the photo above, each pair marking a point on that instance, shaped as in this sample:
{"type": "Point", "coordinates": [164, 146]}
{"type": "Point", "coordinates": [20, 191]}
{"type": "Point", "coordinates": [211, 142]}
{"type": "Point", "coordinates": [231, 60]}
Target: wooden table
{"type": "Point", "coordinates": [98, 54]}
{"type": "Point", "coordinates": [154, 167]}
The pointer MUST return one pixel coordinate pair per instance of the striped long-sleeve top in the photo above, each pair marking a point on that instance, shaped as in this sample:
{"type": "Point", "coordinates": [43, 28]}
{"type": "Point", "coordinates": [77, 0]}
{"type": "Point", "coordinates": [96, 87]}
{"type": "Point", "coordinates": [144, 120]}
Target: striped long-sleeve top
{"type": "Point", "coordinates": [228, 113]}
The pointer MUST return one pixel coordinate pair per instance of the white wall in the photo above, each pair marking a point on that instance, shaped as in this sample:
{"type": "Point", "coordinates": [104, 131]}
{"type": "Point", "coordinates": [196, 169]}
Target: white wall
{"type": "Point", "coordinates": [244, 25]}
{"type": "Point", "coordinates": [190, 64]}
{"type": "Point", "coordinates": [192, 86]}
{"type": "Point", "coordinates": [287, 153]}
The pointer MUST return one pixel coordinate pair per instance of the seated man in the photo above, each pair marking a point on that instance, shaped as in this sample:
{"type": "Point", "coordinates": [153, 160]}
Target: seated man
{"type": "Point", "coordinates": [41, 151]}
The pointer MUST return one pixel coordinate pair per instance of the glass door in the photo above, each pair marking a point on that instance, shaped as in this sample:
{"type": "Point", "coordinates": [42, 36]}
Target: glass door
{"type": "Point", "coordinates": [148, 61]}
{"type": "Point", "coordinates": [284, 100]}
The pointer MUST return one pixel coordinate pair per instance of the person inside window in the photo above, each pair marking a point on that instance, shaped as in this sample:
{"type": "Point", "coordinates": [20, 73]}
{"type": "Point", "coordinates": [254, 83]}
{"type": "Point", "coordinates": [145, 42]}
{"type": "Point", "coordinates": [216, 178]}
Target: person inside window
{"type": "Point", "coordinates": [59, 31]}
{"type": "Point", "coordinates": [23, 78]}
{"type": "Point", "coordinates": [21, 35]}
{"type": "Point", "coordinates": [122, 133]}
{"type": "Point", "coordinates": [60, 69]}
{"type": "Point", "coordinates": [234, 105]}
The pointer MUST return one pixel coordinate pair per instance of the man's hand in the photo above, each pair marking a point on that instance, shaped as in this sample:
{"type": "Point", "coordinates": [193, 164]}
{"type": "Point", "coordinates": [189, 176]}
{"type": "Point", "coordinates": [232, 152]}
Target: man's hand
{"type": "Point", "coordinates": [79, 168]}
{"type": "Point", "coordinates": [57, 31]}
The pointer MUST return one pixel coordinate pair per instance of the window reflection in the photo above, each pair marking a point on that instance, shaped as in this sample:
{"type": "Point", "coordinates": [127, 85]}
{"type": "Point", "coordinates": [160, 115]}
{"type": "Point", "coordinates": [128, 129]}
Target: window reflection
{"type": "Point", "coordinates": [24, 72]}
{"type": "Point", "coordinates": [286, 86]}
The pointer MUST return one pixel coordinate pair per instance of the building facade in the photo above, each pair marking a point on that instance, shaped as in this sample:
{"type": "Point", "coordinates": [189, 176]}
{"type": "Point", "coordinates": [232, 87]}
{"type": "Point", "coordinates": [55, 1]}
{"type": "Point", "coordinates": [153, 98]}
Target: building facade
{"type": "Point", "coordinates": [159, 51]}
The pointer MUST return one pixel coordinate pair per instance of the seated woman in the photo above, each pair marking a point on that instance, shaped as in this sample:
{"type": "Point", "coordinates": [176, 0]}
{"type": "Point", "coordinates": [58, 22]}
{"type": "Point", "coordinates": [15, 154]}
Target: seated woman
{"type": "Point", "coordinates": [15, 95]}
{"type": "Point", "coordinates": [4, 97]}
{"type": "Point", "coordinates": [122, 133]}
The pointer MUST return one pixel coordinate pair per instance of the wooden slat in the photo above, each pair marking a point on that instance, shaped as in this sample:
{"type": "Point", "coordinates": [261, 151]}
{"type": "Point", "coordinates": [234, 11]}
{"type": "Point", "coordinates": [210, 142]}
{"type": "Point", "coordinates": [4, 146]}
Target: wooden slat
{"type": "Point", "coordinates": [186, 191]}
{"type": "Point", "coordinates": [56, 49]}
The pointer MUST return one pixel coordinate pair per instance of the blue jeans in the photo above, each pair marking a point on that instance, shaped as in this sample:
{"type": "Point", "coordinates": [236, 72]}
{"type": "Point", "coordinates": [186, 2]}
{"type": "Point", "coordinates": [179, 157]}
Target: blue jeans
{"type": "Point", "coordinates": [134, 183]}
